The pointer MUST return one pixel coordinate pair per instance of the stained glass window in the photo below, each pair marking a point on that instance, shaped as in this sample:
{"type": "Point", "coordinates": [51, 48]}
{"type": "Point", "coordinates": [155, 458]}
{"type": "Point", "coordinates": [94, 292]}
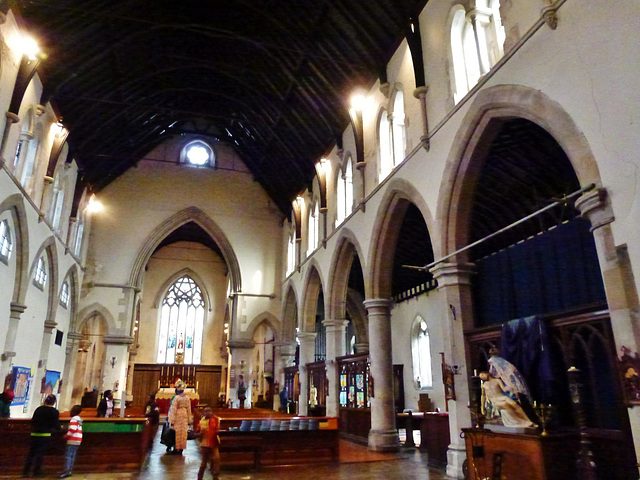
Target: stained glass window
{"type": "Point", "coordinates": [181, 323]}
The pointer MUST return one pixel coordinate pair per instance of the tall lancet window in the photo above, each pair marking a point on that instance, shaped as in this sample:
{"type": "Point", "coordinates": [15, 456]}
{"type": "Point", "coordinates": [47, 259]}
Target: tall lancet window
{"type": "Point", "coordinates": [181, 323]}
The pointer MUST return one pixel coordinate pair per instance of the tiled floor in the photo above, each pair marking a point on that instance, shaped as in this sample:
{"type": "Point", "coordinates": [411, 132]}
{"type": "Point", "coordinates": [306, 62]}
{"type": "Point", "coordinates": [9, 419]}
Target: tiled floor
{"type": "Point", "coordinates": [408, 465]}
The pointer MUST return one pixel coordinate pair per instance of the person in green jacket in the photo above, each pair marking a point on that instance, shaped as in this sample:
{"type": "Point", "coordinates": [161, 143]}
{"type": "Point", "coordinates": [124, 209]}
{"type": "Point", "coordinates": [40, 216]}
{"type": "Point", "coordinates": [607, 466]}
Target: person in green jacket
{"type": "Point", "coordinates": [5, 403]}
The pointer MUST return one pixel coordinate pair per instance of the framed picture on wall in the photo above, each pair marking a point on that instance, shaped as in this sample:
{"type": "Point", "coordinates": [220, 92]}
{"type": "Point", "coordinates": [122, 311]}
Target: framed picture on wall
{"type": "Point", "coordinates": [20, 384]}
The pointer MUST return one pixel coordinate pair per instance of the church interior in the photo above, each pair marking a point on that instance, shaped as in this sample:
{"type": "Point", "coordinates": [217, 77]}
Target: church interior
{"type": "Point", "coordinates": [377, 221]}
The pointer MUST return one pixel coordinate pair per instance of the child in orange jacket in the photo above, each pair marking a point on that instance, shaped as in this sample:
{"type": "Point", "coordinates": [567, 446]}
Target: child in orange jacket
{"type": "Point", "coordinates": [209, 443]}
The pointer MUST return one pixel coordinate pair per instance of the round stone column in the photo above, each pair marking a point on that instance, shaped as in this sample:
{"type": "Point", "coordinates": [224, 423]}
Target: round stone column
{"type": "Point", "coordinates": [383, 436]}
{"type": "Point", "coordinates": [16, 310]}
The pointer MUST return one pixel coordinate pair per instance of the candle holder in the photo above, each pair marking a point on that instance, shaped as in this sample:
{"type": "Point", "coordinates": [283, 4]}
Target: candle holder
{"type": "Point", "coordinates": [544, 412]}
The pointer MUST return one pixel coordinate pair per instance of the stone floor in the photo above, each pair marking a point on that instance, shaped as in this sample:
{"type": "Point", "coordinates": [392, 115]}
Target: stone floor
{"type": "Point", "coordinates": [408, 465]}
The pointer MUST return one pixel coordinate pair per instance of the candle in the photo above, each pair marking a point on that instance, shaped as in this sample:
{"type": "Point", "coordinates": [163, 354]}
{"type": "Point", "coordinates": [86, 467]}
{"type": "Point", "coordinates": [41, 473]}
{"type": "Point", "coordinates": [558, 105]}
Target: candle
{"type": "Point", "coordinates": [197, 385]}
{"type": "Point", "coordinates": [158, 383]}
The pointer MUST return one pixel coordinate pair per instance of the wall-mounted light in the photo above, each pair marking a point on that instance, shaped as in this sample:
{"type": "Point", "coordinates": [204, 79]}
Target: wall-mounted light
{"type": "Point", "coordinates": [94, 205]}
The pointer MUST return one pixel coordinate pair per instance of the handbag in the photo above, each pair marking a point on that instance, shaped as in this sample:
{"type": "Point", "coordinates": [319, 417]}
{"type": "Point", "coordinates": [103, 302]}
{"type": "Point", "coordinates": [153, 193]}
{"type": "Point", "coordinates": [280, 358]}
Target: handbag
{"type": "Point", "coordinates": [168, 435]}
{"type": "Point", "coordinates": [191, 434]}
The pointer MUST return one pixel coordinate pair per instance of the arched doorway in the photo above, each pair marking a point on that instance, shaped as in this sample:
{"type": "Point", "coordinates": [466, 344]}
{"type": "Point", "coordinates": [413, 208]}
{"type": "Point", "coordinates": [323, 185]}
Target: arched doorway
{"type": "Point", "coordinates": [91, 361]}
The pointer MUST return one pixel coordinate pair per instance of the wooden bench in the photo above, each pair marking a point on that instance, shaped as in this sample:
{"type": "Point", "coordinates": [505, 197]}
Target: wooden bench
{"type": "Point", "coordinates": [108, 445]}
{"type": "Point", "coordinates": [281, 447]}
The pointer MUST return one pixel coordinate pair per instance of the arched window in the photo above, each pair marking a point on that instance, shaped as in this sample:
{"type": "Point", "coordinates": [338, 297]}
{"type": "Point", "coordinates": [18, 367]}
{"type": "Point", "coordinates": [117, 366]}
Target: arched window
{"type": "Point", "coordinates": [397, 128]}
{"type": "Point", "coordinates": [40, 274]}
{"type": "Point", "coordinates": [5, 241]}
{"type": "Point", "coordinates": [421, 353]}
{"type": "Point", "coordinates": [312, 242]}
{"type": "Point", "coordinates": [28, 148]}
{"type": "Point", "coordinates": [475, 51]}
{"type": "Point", "coordinates": [344, 192]}
{"type": "Point", "coordinates": [181, 323]}
{"type": "Point", "coordinates": [197, 154]}
{"type": "Point", "coordinates": [385, 152]}
{"type": "Point", "coordinates": [64, 295]}
{"type": "Point", "coordinates": [291, 253]}
{"type": "Point", "coordinates": [77, 247]}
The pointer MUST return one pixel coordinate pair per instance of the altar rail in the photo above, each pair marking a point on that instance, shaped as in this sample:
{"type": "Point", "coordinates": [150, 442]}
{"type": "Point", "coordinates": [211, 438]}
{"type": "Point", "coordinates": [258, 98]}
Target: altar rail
{"type": "Point", "coordinates": [108, 445]}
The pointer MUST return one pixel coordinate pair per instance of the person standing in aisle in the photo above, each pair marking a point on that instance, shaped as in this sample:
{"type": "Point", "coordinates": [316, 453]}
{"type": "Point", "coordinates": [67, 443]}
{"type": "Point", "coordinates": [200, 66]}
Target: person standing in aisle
{"type": "Point", "coordinates": [180, 417]}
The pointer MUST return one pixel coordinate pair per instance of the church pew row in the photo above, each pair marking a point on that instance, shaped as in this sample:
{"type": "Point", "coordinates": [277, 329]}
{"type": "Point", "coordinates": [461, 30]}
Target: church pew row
{"type": "Point", "coordinates": [280, 447]}
{"type": "Point", "coordinates": [108, 445]}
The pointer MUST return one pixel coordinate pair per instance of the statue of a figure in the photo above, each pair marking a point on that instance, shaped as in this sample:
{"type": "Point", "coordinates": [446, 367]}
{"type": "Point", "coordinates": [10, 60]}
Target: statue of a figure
{"type": "Point", "coordinates": [313, 396]}
{"type": "Point", "coordinates": [497, 401]}
{"type": "Point", "coordinates": [503, 388]}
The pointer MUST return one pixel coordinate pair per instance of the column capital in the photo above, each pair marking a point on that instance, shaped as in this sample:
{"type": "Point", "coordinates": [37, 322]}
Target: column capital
{"type": "Point", "coordinates": [118, 340]}
{"type": "Point", "coordinates": [420, 92]}
{"type": "Point", "coordinates": [307, 337]}
{"type": "Point", "coordinates": [378, 303]}
{"type": "Point", "coordinates": [595, 207]}
{"type": "Point", "coordinates": [49, 325]}
{"type": "Point", "coordinates": [17, 308]}
{"type": "Point", "coordinates": [335, 324]}
{"type": "Point", "coordinates": [240, 343]}
{"type": "Point", "coordinates": [74, 336]}
{"type": "Point", "coordinates": [448, 274]}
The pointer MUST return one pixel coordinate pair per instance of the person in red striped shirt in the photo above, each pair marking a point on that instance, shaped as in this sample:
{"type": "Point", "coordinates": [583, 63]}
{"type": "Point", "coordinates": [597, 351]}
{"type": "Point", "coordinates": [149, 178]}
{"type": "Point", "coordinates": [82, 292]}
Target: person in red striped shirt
{"type": "Point", "coordinates": [74, 439]}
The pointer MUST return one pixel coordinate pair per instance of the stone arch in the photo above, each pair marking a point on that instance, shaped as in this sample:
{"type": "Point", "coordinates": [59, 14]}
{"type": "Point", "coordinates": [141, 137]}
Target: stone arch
{"type": "Point", "coordinates": [313, 285]}
{"type": "Point", "coordinates": [179, 274]}
{"type": "Point", "coordinates": [346, 247]}
{"type": "Point", "coordinates": [265, 317]}
{"type": "Point", "coordinates": [15, 205]}
{"type": "Point", "coordinates": [95, 309]}
{"type": "Point", "coordinates": [190, 214]}
{"type": "Point", "coordinates": [289, 313]}
{"type": "Point", "coordinates": [49, 246]}
{"type": "Point", "coordinates": [389, 217]}
{"type": "Point", "coordinates": [495, 103]}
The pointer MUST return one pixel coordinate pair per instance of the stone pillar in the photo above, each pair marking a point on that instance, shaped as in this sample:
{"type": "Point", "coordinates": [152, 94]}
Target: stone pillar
{"type": "Point", "coordinates": [361, 347]}
{"type": "Point", "coordinates": [619, 283]}
{"type": "Point", "coordinates": [307, 355]}
{"type": "Point", "coordinates": [115, 368]}
{"type": "Point", "coordinates": [16, 310]}
{"type": "Point", "coordinates": [383, 436]}
{"type": "Point", "coordinates": [241, 351]}
{"type": "Point", "coordinates": [285, 355]}
{"type": "Point", "coordinates": [454, 279]}
{"type": "Point", "coordinates": [335, 348]}
{"type": "Point", "coordinates": [68, 375]}
{"type": "Point", "coordinates": [49, 325]}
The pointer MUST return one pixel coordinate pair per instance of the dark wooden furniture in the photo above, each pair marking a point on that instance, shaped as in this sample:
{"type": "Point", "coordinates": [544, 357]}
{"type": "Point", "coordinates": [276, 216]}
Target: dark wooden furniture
{"type": "Point", "coordinates": [148, 377]}
{"type": "Point", "coordinates": [434, 437]}
{"type": "Point", "coordinates": [108, 445]}
{"type": "Point", "coordinates": [525, 457]}
{"type": "Point", "coordinates": [317, 376]}
{"type": "Point", "coordinates": [355, 403]}
{"type": "Point", "coordinates": [584, 340]}
{"type": "Point", "coordinates": [280, 447]}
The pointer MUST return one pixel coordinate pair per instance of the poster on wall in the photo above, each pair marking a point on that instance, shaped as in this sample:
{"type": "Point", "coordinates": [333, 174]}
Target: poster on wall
{"type": "Point", "coordinates": [50, 382]}
{"type": "Point", "coordinates": [20, 385]}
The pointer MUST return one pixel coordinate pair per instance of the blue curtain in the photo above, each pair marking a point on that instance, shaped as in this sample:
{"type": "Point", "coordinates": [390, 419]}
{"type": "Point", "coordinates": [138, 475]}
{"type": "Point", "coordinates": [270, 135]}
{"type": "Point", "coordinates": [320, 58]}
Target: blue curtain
{"type": "Point", "coordinates": [525, 343]}
{"type": "Point", "coordinates": [554, 271]}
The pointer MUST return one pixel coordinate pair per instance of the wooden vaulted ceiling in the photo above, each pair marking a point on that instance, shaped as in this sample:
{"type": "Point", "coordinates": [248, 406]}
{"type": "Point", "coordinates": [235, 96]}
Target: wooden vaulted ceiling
{"type": "Point", "coordinates": [270, 77]}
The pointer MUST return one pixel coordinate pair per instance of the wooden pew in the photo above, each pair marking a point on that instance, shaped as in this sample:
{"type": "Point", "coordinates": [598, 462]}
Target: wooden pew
{"type": "Point", "coordinates": [108, 445]}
